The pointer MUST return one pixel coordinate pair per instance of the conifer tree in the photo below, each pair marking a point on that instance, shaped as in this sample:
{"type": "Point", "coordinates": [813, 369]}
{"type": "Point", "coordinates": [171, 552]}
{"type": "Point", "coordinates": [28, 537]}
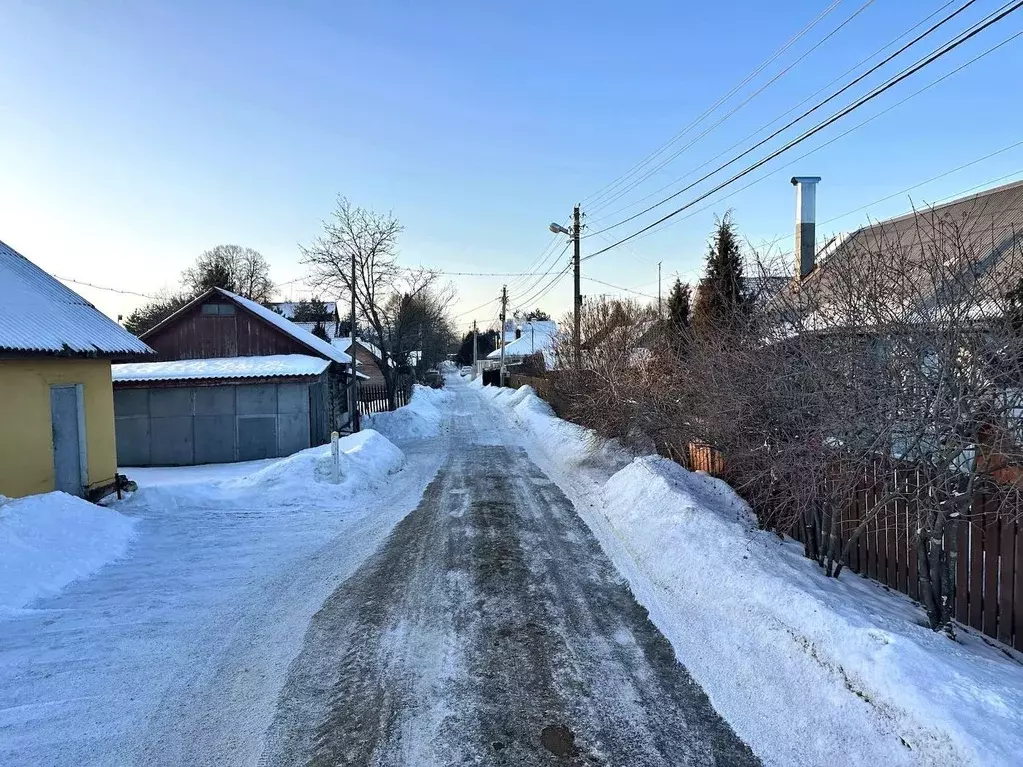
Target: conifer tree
{"type": "Point", "coordinates": [721, 298]}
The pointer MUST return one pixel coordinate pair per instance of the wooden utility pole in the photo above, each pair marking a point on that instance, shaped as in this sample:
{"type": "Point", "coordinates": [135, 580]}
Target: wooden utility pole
{"type": "Point", "coordinates": [578, 297]}
{"type": "Point", "coordinates": [475, 347]}
{"type": "Point", "coordinates": [504, 309]}
{"type": "Point", "coordinates": [351, 350]}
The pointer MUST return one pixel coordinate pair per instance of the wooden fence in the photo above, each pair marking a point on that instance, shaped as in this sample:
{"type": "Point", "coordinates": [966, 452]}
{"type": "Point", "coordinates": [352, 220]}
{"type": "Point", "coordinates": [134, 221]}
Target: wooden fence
{"type": "Point", "coordinates": [373, 399]}
{"type": "Point", "coordinates": [988, 545]}
{"type": "Point", "coordinates": [988, 549]}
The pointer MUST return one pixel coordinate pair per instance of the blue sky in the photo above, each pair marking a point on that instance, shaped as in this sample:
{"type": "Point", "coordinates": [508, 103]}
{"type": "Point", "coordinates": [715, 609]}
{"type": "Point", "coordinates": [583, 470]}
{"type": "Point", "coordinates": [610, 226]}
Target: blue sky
{"type": "Point", "coordinates": [135, 135]}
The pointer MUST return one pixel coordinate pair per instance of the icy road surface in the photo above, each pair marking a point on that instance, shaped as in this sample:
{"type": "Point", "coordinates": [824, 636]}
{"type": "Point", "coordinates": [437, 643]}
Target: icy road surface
{"type": "Point", "coordinates": [491, 629]}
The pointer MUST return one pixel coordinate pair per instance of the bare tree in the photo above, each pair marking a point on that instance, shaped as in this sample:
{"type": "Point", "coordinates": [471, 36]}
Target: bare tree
{"type": "Point", "coordinates": [392, 301]}
{"type": "Point", "coordinates": [241, 270]}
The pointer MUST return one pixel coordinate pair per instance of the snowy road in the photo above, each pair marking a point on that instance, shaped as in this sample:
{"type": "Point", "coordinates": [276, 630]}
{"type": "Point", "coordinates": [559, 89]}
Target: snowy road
{"type": "Point", "coordinates": [463, 615]}
{"type": "Point", "coordinates": [491, 629]}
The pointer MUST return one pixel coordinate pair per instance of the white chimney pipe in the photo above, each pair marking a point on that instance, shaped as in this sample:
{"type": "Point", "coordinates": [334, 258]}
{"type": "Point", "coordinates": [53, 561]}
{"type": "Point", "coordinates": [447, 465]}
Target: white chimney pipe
{"type": "Point", "coordinates": [806, 223]}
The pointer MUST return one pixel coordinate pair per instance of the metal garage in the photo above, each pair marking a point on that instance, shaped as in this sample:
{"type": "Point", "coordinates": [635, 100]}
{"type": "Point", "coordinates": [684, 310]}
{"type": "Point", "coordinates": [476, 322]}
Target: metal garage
{"type": "Point", "coordinates": [187, 412]}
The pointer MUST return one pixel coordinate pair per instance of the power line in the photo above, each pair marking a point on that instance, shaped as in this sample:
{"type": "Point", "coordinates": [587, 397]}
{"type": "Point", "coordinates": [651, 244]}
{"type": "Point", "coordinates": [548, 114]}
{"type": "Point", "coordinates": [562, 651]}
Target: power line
{"type": "Point", "coordinates": [475, 308]}
{"type": "Point", "coordinates": [784, 114]}
{"type": "Point", "coordinates": [594, 198]}
{"type": "Point", "coordinates": [531, 285]}
{"type": "Point", "coordinates": [814, 108]}
{"type": "Point", "coordinates": [622, 192]}
{"type": "Point", "coordinates": [845, 133]}
{"type": "Point", "coordinates": [110, 290]}
{"type": "Point", "coordinates": [618, 287]}
{"type": "Point", "coordinates": [538, 294]}
{"type": "Point", "coordinates": [942, 51]}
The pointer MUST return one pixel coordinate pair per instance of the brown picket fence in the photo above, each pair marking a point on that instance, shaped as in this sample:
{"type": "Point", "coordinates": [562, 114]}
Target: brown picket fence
{"type": "Point", "coordinates": [373, 399]}
{"type": "Point", "coordinates": [987, 544]}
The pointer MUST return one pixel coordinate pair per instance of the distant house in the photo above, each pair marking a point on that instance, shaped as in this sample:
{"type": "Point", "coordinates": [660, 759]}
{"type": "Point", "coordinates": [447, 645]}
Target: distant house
{"type": "Point", "coordinates": [56, 399]}
{"type": "Point", "coordinates": [525, 338]}
{"type": "Point", "coordinates": [234, 381]}
{"type": "Point", "coordinates": [367, 356]}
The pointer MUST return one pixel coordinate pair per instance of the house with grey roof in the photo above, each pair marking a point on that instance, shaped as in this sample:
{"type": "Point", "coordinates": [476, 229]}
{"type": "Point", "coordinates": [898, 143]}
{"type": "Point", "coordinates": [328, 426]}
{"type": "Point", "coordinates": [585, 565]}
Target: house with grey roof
{"type": "Point", "coordinates": [56, 392]}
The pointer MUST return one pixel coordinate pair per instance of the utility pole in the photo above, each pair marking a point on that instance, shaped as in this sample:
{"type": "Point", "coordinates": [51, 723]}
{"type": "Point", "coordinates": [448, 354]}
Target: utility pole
{"type": "Point", "coordinates": [475, 347]}
{"type": "Point", "coordinates": [659, 313]}
{"type": "Point", "coordinates": [578, 298]}
{"type": "Point", "coordinates": [351, 350]}
{"type": "Point", "coordinates": [504, 309]}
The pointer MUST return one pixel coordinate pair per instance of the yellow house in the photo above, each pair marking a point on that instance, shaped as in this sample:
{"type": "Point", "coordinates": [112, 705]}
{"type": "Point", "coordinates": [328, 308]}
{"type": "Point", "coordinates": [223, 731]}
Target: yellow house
{"type": "Point", "coordinates": [56, 396]}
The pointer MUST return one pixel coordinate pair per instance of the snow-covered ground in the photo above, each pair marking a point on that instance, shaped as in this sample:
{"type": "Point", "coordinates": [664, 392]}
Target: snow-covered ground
{"type": "Point", "coordinates": [174, 651]}
{"type": "Point", "coordinates": [422, 417]}
{"type": "Point", "coordinates": [50, 540]}
{"type": "Point", "coordinates": [807, 670]}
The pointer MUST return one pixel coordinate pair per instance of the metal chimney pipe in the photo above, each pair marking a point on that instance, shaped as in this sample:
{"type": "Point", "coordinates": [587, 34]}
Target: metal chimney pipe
{"type": "Point", "coordinates": [806, 223]}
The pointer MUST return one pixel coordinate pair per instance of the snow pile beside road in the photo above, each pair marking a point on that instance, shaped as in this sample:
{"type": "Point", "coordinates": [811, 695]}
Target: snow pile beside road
{"type": "Point", "coordinates": [577, 448]}
{"type": "Point", "coordinates": [47, 541]}
{"type": "Point", "coordinates": [806, 669]}
{"type": "Point", "coordinates": [304, 479]}
{"type": "Point", "coordinates": [420, 418]}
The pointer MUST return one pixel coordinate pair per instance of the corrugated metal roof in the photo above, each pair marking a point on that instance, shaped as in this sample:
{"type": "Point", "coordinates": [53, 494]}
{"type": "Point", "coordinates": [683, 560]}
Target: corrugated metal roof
{"type": "Point", "coordinates": [268, 366]}
{"type": "Point", "coordinates": [40, 314]}
{"type": "Point", "coordinates": [287, 326]}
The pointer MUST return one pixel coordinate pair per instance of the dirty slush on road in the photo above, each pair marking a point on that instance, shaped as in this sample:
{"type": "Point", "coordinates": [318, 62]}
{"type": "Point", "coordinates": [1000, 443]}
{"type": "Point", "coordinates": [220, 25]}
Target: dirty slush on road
{"type": "Point", "coordinates": [491, 629]}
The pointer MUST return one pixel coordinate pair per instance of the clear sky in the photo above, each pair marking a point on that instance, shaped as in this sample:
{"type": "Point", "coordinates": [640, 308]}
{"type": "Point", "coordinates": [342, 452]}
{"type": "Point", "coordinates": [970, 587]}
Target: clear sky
{"type": "Point", "coordinates": [133, 135]}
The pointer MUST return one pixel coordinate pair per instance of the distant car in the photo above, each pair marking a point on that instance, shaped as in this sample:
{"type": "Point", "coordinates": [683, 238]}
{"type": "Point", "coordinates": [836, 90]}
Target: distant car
{"type": "Point", "coordinates": [466, 371]}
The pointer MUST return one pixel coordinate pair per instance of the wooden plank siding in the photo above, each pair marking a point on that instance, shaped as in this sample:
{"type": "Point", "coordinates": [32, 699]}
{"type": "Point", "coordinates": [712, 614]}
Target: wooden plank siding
{"type": "Point", "coordinates": [196, 335]}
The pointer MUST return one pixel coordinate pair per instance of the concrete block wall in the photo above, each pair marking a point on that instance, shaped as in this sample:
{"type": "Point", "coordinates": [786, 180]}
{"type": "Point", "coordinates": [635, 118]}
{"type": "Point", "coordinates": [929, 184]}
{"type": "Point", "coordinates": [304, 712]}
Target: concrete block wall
{"type": "Point", "coordinates": [182, 426]}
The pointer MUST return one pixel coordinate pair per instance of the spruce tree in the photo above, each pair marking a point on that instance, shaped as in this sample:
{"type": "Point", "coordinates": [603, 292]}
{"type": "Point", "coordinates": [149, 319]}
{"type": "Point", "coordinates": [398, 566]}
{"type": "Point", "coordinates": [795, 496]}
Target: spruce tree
{"type": "Point", "coordinates": [721, 298]}
{"type": "Point", "coordinates": [679, 313]}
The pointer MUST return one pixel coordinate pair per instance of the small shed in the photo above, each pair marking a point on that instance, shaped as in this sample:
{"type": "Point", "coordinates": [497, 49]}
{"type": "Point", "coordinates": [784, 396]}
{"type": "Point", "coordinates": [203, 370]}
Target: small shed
{"type": "Point", "coordinates": [189, 412]}
{"type": "Point", "coordinates": [235, 381]}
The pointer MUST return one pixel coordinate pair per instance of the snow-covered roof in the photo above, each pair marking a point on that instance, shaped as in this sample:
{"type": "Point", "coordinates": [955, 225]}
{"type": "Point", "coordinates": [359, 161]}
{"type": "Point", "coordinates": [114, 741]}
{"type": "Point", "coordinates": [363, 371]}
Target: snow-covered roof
{"type": "Point", "coordinates": [537, 336]}
{"type": "Point", "coordinates": [270, 366]}
{"type": "Point", "coordinates": [328, 328]}
{"type": "Point", "coordinates": [287, 326]}
{"type": "Point", "coordinates": [40, 314]}
{"type": "Point", "coordinates": [287, 308]}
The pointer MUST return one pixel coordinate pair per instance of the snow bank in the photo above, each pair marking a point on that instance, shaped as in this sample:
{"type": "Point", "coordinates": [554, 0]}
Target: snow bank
{"type": "Point", "coordinates": [806, 669]}
{"type": "Point", "coordinates": [420, 418]}
{"type": "Point", "coordinates": [304, 479]}
{"type": "Point", "coordinates": [47, 541]}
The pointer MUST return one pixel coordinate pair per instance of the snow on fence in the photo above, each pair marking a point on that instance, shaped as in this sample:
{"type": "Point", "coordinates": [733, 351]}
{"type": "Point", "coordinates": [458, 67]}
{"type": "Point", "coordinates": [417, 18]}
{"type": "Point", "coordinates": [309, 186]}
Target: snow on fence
{"type": "Point", "coordinates": [987, 547]}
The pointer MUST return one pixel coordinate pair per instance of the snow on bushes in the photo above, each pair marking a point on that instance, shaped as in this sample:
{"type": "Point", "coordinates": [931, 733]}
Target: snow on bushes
{"type": "Point", "coordinates": [47, 541]}
{"type": "Point", "coordinates": [420, 418]}
{"type": "Point", "coordinates": [807, 669]}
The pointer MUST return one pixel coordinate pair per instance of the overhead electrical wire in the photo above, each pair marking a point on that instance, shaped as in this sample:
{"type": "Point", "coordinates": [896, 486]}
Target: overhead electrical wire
{"type": "Point", "coordinates": [845, 133]}
{"type": "Point", "coordinates": [618, 287]}
{"type": "Point", "coordinates": [877, 91]}
{"type": "Point", "coordinates": [764, 127]}
{"type": "Point", "coordinates": [891, 82]}
{"type": "Point", "coordinates": [109, 290]}
{"type": "Point", "coordinates": [593, 199]}
{"type": "Point", "coordinates": [633, 184]}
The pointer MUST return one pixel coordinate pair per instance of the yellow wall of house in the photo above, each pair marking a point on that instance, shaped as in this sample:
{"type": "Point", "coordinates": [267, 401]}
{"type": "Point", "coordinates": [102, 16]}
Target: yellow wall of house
{"type": "Point", "coordinates": [26, 440]}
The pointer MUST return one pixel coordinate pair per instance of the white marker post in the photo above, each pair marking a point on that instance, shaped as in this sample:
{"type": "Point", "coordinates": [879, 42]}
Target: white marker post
{"type": "Point", "coordinates": [335, 453]}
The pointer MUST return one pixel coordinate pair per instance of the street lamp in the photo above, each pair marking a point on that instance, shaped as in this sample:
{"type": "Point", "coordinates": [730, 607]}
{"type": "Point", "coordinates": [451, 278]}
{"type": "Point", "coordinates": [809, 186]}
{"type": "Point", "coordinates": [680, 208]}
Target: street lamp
{"type": "Point", "coordinates": [559, 229]}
